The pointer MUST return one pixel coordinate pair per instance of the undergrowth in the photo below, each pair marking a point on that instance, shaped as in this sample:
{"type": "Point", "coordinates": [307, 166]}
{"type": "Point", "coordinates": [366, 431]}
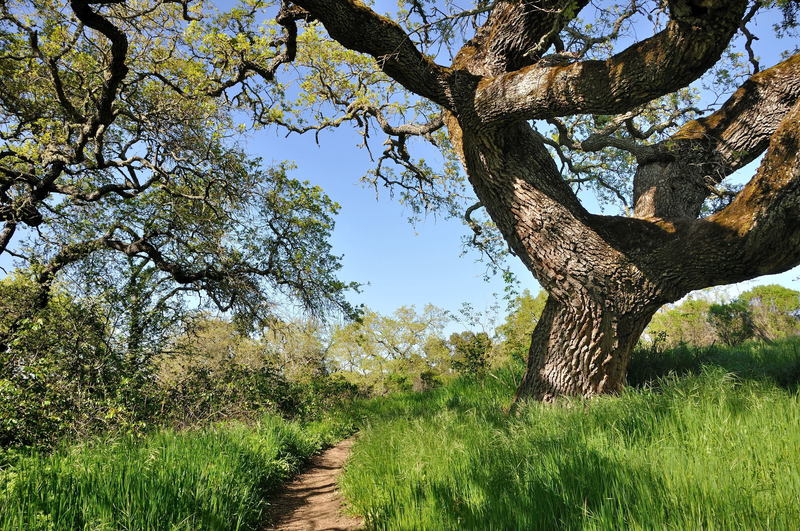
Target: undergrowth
{"type": "Point", "coordinates": [702, 439]}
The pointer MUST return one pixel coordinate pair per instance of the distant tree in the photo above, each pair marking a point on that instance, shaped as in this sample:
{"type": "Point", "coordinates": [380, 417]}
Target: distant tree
{"type": "Point", "coordinates": [470, 352]}
{"type": "Point", "coordinates": [686, 322]}
{"type": "Point", "coordinates": [211, 345]}
{"type": "Point", "coordinates": [514, 335]}
{"type": "Point", "coordinates": [383, 352]}
{"type": "Point", "coordinates": [775, 310]}
{"type": "Point", "coordinates": [299, 348]}
{"type": "Point", "coordinates": [733, 322]}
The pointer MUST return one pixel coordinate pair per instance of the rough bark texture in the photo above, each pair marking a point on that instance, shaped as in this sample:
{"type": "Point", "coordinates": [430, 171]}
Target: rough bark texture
{"type": "Point", "coordinates": [607, 275]}
{"type": "Point", "coordinates": [591, 357]}
{"type": "Point", "coordinates": [705, 151]}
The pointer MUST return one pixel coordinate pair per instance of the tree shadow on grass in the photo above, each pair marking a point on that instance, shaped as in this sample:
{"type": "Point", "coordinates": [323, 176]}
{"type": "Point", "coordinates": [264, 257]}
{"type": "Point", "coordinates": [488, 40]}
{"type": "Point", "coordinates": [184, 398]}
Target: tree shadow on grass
{"type": "Point", "coordinates": [578, 487]}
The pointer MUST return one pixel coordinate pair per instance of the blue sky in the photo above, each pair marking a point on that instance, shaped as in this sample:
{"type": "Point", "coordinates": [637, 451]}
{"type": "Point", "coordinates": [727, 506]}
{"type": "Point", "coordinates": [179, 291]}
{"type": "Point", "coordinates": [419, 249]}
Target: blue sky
{"type": "Point", "coordinates": [402, 264]}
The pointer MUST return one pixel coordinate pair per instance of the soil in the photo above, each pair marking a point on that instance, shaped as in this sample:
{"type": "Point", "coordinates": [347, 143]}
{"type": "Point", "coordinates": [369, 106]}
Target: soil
{"type": "Point", "coordinates": [312, 501]}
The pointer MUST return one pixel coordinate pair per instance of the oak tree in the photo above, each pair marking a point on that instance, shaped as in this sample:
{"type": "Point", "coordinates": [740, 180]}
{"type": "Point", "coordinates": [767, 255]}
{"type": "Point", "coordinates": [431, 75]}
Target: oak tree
{"type": "Point", "coordinates": [533, 99]}
{"type": "Point", "coordinates": [605, 275]}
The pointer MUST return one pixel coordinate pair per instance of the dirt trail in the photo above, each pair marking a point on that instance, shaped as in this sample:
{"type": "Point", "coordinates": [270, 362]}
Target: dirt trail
{"type": "Point", "coordinates": [312, 501]}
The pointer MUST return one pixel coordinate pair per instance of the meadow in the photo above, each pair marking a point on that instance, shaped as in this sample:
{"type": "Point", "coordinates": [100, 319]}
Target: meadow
{"type": "Point", "coordinates": [702, 439]}
{"type": "Point", "coordinates": [705, 439]}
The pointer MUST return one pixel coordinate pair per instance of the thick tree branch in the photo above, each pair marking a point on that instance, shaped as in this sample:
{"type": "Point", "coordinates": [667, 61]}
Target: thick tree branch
{"type": "Point", "coordinates": [116, 70]}
{"type": "Point", "coordinates": [705, 151]}
{"type": "Point", "coordinates": [357, 27]}
{"type": "Point", "coordinates": [7, 233]}
{"type": "Point", "coordinates": [516, 35]}
{"type": "Point", "coordinates": [651, 68]}
{"type": "Point", "coordinates": [766, 212]}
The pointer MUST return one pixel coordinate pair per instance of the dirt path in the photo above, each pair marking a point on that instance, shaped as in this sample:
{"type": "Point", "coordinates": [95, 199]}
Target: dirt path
{"type": "Point", "coordinates": [312, 501]}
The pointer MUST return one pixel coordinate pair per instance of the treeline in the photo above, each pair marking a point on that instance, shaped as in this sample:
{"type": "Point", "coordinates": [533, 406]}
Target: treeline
{"type": "Point", "coordinates": [768, 313]}
{"type": "Point", "coordinates": [92, 364]}
{"type": "Point", "coordinates": [110, 363]}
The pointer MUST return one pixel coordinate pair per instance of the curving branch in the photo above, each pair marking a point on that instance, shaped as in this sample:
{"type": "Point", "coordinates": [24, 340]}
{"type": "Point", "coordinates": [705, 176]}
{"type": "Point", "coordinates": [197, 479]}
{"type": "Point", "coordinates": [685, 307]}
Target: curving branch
{"type": "Point", "coordinates": [705, 151]}
{"type": "Point", "coordinates": [358, 28]}
{"type": "Point", "coordinates": [654, 67]}
{"type": "Point", "coordinates": [516, 35]}
{"type": "Point", "coordinates": [6, 234]}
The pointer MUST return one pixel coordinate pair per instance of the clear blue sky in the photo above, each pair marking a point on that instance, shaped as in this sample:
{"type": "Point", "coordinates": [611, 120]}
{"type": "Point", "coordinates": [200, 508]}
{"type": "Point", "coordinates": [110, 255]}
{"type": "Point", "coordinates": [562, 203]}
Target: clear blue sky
{"type": "Point", "coordinates": [403, 264]}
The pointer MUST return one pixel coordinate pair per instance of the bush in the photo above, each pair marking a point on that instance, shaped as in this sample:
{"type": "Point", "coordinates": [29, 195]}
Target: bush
{"type": "Point", "coordinates": [732, 322]}
{"type": "Point", "coordinates": [58, 375]}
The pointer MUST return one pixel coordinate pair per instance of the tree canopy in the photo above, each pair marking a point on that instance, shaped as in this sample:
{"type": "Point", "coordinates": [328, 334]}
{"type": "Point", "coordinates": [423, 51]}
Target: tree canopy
{"type": "Point", "coordinates": [119, 139]}
{"type": "Point", "coordinates": [119, 153]}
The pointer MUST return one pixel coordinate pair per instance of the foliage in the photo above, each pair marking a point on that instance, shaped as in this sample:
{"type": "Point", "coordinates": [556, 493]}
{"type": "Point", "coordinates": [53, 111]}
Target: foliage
{"type": "Point", "coordinates": [59, 376]}
{"type": "Point", "coordinates": [231, 391]}
{"type": "Point", "coordinates": [219, 477]}
{"type": "Point", "coordinates": [470, 352]}
{"type": "Point", "coordinates": [300, 348]}
{"type": "Point", "coordinates": [210, 345]}
{"type": "Point", "coordinates": [766, 312]}
{"type": "Point", "coordinates": [713, 450]}
{"type": "Point", "coordinates": [732, 322]}
{"type": "Point", "coordinates": [120, 149]}
{"type": "Point", "coordinates": [65, 375]}
{"type": "Point", "coordinates": [515, 333]}
{"type": "Point", "coordinates": [383, 353]}
{"type": "Point", "coordinates": [775, 310]}
{"type": "Point", "coordinates": [683, 323]}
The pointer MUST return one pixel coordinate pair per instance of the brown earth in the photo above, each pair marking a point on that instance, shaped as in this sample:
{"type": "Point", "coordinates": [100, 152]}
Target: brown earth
{"type": "Point", "coordinates": [312, 501]}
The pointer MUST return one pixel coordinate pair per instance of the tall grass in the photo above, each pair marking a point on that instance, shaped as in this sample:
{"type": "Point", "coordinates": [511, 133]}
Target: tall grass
{"type": "Point", "coordinates": [213, 478]}
{"type": "Point", "coordinates": [703, 439]}
{"type": "Point", "coordinates": [710, 449]}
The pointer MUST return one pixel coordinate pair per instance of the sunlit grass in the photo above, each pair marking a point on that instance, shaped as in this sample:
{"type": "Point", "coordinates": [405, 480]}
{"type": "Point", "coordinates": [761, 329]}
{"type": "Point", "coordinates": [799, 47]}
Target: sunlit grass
{"type": "Point", "coordinates": [705, 439]}
{"type": "Point", "coordinates": [706, 450]}
{"type": "Point", "coordinates": [213, 478]}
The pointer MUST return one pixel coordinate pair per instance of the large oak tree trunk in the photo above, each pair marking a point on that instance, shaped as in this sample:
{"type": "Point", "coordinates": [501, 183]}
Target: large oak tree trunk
{"type": "Point", "coordinates": [581, 348]}
{"type": "Point", "coordinates": [606, 275]}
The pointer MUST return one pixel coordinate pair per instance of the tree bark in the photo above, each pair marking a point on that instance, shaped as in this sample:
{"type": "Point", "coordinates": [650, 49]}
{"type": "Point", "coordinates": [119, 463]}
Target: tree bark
{"type": "Point", "coordinates": [581, 348]}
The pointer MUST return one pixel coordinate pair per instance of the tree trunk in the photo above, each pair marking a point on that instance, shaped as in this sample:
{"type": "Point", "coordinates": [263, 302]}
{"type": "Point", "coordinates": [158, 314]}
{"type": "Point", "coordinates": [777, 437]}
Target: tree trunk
{"type": "Point", "coordinates": [581, 348]}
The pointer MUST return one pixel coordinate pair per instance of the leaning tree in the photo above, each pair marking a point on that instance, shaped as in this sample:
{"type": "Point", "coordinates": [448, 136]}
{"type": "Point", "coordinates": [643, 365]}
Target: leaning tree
{"type": "Point", "coordinates": [540, 99]}
{"type": "Point", "coordinates": [606, 275]}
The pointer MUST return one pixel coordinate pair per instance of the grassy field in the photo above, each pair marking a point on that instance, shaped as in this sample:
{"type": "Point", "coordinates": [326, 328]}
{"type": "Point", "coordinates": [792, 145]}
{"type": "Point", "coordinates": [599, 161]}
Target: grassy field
{"type": "Point", "coordinates": [712, 444]}
{"type": "Point", "coordinates": [214, 478]}
{"type": "Point", "coordinates": [703, 439]}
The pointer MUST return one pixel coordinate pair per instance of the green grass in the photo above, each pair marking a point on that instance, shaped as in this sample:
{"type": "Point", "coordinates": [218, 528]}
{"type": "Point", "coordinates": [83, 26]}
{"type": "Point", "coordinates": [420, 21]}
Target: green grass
{"type": "Point", "coordinates": [703, 439]}
{"type": "Point", "coordinates": [713, 448]}
{"type": "Point", "coordinates": [213, 478]}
